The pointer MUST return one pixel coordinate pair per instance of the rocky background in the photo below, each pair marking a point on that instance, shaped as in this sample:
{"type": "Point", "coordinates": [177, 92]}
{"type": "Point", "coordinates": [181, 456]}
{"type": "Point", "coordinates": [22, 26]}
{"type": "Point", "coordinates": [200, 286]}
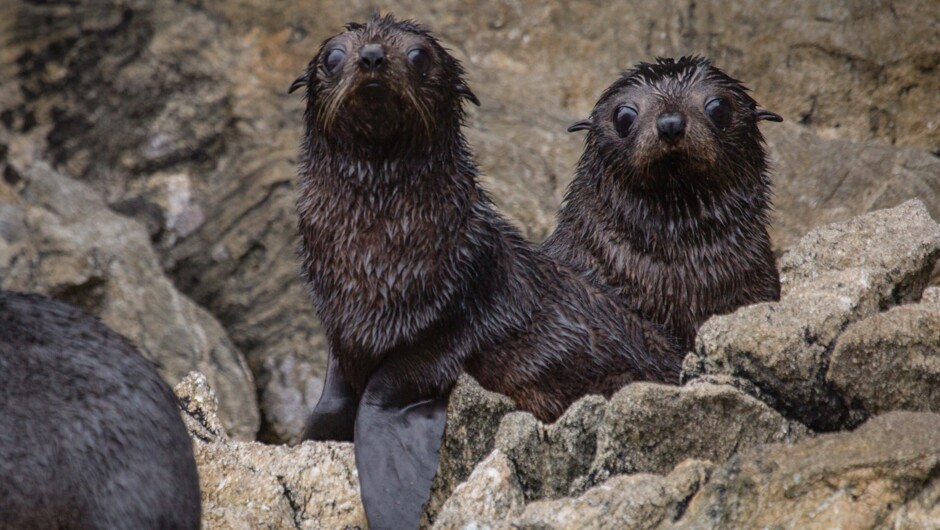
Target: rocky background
{"type": "Point", "coordinates": [147, 156]}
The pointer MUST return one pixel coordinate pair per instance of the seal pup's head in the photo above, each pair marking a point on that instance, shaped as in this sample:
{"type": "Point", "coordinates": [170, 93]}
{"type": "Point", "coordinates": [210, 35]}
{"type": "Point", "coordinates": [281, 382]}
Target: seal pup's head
{"type": "Point", "coordinates": [385, 82]}
{"type": "Point", "coordinates": [677, 123]}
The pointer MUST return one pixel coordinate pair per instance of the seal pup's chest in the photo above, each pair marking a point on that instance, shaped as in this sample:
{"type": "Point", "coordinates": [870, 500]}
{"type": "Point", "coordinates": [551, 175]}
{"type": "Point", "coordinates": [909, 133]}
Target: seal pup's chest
{"type": "Point", "coordinates": [378, 260]}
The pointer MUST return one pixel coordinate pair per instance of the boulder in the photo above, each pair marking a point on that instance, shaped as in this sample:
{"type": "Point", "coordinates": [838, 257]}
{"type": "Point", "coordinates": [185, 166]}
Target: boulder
{"type": "Point", "coordinates": [57, 237]}
{"type": "Point", "coordinates": [837, 275]}
{"type": "Point", "coordinates": [883, 475]}
{"type": "Point", "coordinates": [890, 361]}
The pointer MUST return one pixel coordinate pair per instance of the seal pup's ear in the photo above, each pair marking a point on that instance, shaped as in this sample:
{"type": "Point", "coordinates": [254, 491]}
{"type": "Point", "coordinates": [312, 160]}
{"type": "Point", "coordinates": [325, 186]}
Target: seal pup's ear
{"type": "Point", "coordinates": [582, 125]}
{"type": "Point", "coordinates": [299, 83]}
{"type": "Point", "coordinates": [467, 94]}
{"type": "Point", "coordinates": [764, 114]}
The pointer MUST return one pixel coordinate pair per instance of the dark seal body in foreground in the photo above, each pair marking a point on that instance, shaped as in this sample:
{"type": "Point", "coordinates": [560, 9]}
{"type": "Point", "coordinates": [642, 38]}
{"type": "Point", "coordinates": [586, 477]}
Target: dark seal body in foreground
{"type": "Point", "coordinates": [417, 278]}
{"type": "Point", "coordinates": [90, 436]}
{"type": "Point", "coordinates": [670, 201]}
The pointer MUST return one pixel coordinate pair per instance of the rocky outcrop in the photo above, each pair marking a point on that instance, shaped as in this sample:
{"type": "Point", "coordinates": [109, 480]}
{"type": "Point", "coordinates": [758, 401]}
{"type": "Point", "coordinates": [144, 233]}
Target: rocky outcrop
{"type": "Point", "coordinates": [57, 237]}
{"type": "Point", "coordinates": [883, 475]}
{"type": "Point", "coordinates": [837, 275]}
{"type": "Point", "coordinates": [853, 339]}
{"type": "Point", "coordinates": [890, 361]}
{"type": "Point", "coordinates": [176, 114]}
{"type": "Point", "coordinates": [248, 485]}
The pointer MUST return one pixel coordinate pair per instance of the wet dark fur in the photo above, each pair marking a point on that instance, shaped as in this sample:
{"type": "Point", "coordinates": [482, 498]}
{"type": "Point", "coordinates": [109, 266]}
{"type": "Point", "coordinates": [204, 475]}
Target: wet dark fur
{"type": "Point", "coordinates": [408, 260]}
{"type": "Point", "coordinates": [90, 436]}
{"type": "Point", "coordinates": [682, 232]}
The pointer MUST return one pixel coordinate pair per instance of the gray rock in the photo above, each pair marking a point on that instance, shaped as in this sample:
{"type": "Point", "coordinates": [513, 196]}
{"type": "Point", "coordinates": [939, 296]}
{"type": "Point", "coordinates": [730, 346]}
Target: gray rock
{"type": "Point", "coordinates": [881, 475]}
{"type": "Point", "coordinates": [473, 416]}
{"type": "Point", "coordinates": [549, 458]}
{"type": "Point", "coordinates": [838, 274]}
{"type": "Point", "coordinates": [632, 502]}
{"type": "Point", "coordinates": [60, 239]}
{"type": "Point", "coordinates": [315, 484]}
{"type": "Point", "coordinates": [818, 181]}
{"type": "Point", "coordinates": [490, 495]}
{"type": "Point", "coordinates": [900, 245]}
{"type": "Point", "coordinates": [890, 361]}
{"type": "Point", "coordinates": [651, 428]}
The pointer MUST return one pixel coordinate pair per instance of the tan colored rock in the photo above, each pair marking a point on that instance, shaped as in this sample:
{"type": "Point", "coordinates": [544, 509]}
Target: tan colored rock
{"type": "Point", "coordinates": [651, 428]}
{"type": "Point", "coordinates": [819, 181]}
{"type": "Point", "coordinates": [890, 361]}
{"type": "Point", "coordinates": [486, 500]}
{"type": "Point", "coordinates": [882, 473]}
{"type": "Point", "coordinates": [57, 237]}
{"type": "Point", "coordinates": [838, 274]}
{"type": "Point", "coordinates": [248, 485]}
{"type": "Point", "coordinates": [473, 417]}
{"type": "Point", "coordinates": [625, 502]}
{"type": "Point", "coordinates": [900, 244]}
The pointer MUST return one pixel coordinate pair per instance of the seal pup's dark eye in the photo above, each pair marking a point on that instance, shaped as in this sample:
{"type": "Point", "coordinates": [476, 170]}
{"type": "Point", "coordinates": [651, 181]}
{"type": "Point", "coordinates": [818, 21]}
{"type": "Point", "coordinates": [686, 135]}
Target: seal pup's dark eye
{"type": "Point", "coordinates": [334, 59]}
{"type": "Point", "coordinates": [719, 111]}
{"type": "Point", "coordinates": [624, 118]}
{"type": "Point", "coordinates": [420, 60]}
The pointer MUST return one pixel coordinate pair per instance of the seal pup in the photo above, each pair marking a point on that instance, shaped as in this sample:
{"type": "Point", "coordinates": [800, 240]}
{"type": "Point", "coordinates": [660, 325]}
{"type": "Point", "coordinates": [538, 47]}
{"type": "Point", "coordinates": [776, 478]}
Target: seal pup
{"type": "Point", "coordinates": [670, 200]}
{"type": "Point", "coordinates": [90, 436]}
{"type": "Point", "coordinates": [417, 278]}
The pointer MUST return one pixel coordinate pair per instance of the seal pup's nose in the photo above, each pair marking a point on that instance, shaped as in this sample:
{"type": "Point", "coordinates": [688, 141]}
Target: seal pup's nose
{"type": "Point", "coordinates": [671, 126]}
{"type": "Point", "coordinates": [371, 56]}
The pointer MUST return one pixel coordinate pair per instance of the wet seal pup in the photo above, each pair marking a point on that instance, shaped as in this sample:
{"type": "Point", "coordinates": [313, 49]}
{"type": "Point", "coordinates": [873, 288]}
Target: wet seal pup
{"type": "Point", "coordinates": [670, 200]}
{"type": "Point", "coordinates": [90, 436]}
{"type": "Point", "coordinates": [417, 278]}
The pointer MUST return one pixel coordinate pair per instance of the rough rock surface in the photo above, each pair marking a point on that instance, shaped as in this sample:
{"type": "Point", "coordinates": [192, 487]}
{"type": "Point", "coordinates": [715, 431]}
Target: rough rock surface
{"type": "Point", "coordinates": [837, 275]}
{"type": "Point", "coordinates": [315, 485]}
{"type": "Point", "coordinates": [249, 485]}
{"type": "Point", "coordinates": [625, 501]}
{"type": "Point", "coordinates": [651, 428]}
{"type": "Point", "coordinates": [490, 495]}
{"type": "Point", "coordinates": [57, 237]}
{"type": "Point", "coordinates": [890, 361]}
{"type": "Point", "coordinates": [176, 113]}
{"type": "Point", "coordinates": [883, 475]}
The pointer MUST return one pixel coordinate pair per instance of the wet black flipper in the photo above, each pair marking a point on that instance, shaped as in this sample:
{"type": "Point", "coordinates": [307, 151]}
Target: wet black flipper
{"type": "Point", "coordinates": [334, 417]}
{"type": "Point", "coordinates": [398, 438]}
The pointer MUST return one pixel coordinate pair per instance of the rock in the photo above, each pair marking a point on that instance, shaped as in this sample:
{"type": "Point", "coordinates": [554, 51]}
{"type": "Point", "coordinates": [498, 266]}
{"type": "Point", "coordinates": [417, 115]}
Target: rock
{"type": "Point", "coordinates": [489, 496]}
{"type": "Point", "coordinates": [819, 181]}
{"type": "Point", "coordinates": [900, 245]}
{"type": "Point", "coordinates": [881, 475]}
{"type": "Point", "coordinates": [838, 274]}
{"type": "Point", "coordinates": [248, 485]}
{"type": "Point", "coordinates": [200, 408]}
{"type": "Point", "coordinates": [58, 238]}
{"type": "Point", "coordinates": [890, 361]}
{"type": "Point", "coordinates": [650, 428]}
{"type": "Point", "coordinates": [473, 416]}
{"type": "Point", "coordinates": [315, 484]}
{"type": "Point", "coordinates": [645, 428]}
{"type": "Point", "coordinates": [549, 458]}
{"type": "Point", "coordinates": [623, 502]}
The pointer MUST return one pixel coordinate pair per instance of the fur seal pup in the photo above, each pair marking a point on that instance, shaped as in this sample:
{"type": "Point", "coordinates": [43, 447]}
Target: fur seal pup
{"type": "Point", "coordinates": [670, 200]}
{"type": "Point", "coordinates": [417, 278]}
{"type": "Point", "coordinates": [90, 436]}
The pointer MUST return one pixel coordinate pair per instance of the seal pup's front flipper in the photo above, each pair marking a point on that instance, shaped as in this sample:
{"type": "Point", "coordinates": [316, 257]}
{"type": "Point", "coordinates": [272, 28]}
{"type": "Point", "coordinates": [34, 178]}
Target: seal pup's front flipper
{"type": "Point", "coordinates": [398, 438]}
{"type": "Point", "coordinates": [334, 417]}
